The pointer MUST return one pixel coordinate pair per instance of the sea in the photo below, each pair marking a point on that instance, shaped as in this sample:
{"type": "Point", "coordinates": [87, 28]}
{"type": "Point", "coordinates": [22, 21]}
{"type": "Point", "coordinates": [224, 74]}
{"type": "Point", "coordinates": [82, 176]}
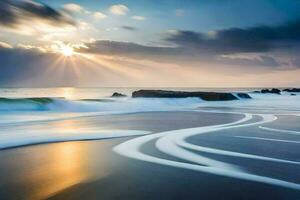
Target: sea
{"type": "Point", "coordinates": [30, 107]}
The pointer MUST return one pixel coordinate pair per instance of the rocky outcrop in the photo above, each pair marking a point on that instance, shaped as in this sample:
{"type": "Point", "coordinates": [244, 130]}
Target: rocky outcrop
{"type": "Point", "coordinates": [116, 94]}
{"type": "Point", "coordinates": [271, 91]}
{"type": "Point", "coordinates": [208, 96]}
{"type": "Point", "coordinates": [257, 91]}
{"type": "Point", "coordinates": [244, 95]}
{"type": "Point", "coordinates": [292, 90]}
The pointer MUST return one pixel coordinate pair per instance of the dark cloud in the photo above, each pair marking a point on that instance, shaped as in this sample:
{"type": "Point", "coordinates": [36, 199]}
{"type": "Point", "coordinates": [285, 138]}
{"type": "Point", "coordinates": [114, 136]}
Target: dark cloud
{"type": "Point", "coordinates": [28, 67]}
{"type": "Point", "coordinates": [22, 67]}
{"type": "Point", "coordinates": [17, 64]}
{"type": "Point", "coordinates": [129, 28]}
{"type": "Point", "coordinates": [237, 40]}
{"type": "Point", "coordinates": [201, 47]}
{"type": "Point", "coordinates": [12, 12]}
{"type": "Point", "coordinates": [179, 55]}
{"type": "Point", "coordinates": [129, 49]}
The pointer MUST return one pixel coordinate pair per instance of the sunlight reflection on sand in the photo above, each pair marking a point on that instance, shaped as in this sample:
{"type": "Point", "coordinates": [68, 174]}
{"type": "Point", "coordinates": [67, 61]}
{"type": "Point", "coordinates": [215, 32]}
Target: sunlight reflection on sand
{"type": "Point", "coordinates": [53, 168]}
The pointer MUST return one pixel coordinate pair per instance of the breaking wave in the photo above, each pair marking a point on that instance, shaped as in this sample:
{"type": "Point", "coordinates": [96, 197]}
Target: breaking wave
{"type": "Point", "coordinates": [120, 105]}
{"type": "Point", "coordinates": [132, 105]}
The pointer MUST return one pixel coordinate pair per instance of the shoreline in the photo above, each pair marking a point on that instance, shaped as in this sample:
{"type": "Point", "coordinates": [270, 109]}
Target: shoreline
{"type": "Point", "coordinates": [73, 169]}
{"type": "Point", "coordinates": [94, 127]}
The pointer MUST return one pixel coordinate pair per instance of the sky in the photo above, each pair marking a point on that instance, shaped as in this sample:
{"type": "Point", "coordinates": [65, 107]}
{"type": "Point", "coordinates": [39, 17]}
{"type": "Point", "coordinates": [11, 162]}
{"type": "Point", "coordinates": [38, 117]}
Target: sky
{"type": "Point", "coordinates": [149, 43]}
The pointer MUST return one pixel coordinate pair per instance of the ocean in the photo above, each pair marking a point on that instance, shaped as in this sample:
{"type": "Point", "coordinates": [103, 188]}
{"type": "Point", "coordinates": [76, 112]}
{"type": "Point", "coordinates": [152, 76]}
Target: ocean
{"type": "Point", "coordinates": [21, 106]}
{"type": "Point", "coordinates": [74, 100]}
{"type": "Point", "coordinates": [243, 149]}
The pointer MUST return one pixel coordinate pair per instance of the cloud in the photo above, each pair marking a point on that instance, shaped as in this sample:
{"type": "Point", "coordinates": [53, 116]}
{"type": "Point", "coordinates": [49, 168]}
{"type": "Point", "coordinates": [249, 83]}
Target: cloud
{"type": "Point", "coordinates": [179, 12]}
{"type": "Point", "coordinates": [14, 13]}
{"type": "Point", "coordinates": [5, 45]}
{"type": "Point", "coordinates": [73, 8]}
{"type": "Point", "coordinates": [129, 28]}
{"type": "Point", "coordinates": [18, 64]}
{"type": "Point", "coordinates": [28, 66]}
{"type": "Point", "coordinates": [76, 8]}
{"type": "Point", "coordinates": [139, 18]}
{"type": "Point", "coordinates": [119, 9]}
{"type": "Point", "coordinates": [263, 46]}
{"type": "Point", "coordinates": [99, 15]}
{"type": "Point", "coordinates": [238, 40]}
{"type": "Point", "coordinates": [166, 54]}
{"type": "Point", "coordinates": [250, 60]}
{"type": "Point", "coordinates": [128, 49]}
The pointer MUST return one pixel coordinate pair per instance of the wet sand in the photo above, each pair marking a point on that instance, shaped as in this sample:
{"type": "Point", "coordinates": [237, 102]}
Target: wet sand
{"type": "Point", "coordinates": [92, 170]}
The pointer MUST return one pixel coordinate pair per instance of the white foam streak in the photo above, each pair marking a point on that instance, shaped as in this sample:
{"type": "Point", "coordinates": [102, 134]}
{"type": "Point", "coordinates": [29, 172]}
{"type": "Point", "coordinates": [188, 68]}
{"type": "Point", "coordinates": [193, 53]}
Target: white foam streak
{"type": "Point", "coordinates": [267, 139]}
{"type": "Point", "coordinates": [131, 149]}
{"type": "Point", "coordinates": [167, 143]}
{"type": "Point", "coordinates": [29, 138]}
{"type": "Point", "coordinates": [232, 153]}
{"type": "Point", "coordinates": [280, 130]}
{"type": "Point", "coordinates": [181, 141]}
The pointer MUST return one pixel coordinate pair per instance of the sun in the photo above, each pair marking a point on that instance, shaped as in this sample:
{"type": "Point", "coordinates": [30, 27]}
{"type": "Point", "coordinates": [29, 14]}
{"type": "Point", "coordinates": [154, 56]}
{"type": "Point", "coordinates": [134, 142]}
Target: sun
{"type": "Point", "coordinates": [67, 51]}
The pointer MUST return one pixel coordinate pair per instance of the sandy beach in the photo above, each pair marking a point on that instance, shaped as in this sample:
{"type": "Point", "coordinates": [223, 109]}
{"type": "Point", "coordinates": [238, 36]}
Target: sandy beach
{"type": "Point", "coordinates": [94, 170]}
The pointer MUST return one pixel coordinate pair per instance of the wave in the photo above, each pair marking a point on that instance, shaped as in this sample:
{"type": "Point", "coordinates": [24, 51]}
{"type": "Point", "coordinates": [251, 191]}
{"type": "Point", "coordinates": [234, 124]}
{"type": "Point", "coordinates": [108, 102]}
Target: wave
{"type": "Point", "coordinates": [92, 105]}
{"type": "Point", "coordinates": [131, 105]}
{"type": "Point", "coordinates": [111, 105]}
{"type": "Point", "coordinates": [17, 138]}
{"type": "Point", "coordinates": [16, 104]}
{"type": "Point", "coordinates": [40, 100]}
